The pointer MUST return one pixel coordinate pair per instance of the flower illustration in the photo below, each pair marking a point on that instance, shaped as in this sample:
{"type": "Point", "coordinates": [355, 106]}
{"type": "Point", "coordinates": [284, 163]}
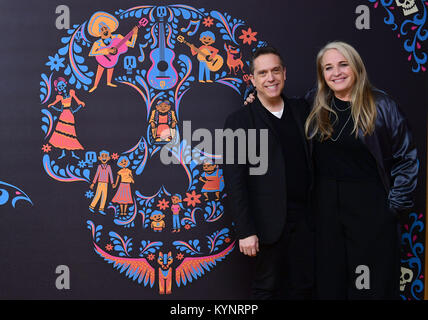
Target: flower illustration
{"type": "Point", "coordinates": [82, 164]}
{"type": "Point", "coordinates": [227, 240]}
{"type": "Point", "coordinates": [163, 204]}
{"type": "Point", "coordinates": [115, 156]}
{"type": "Point", "coordinates": [151, 256]}
{"type": "Point", "coordinates": [55, 63]}
{"type": "Point", "coordinates": [89, 194]}
{"type": "Point", "coordinates": [208, 22]}
{"type": "Point", "coordinates": [46, 148]}
{"type": "Point", "coordinates": [192, 199]}
{"type": "Point", "coordinates": [180, 256]}
{"type": "Point", "coordinates": [109, 247]}
{"type": "Point", "coordinates": [248, 36]}
{"type": "Point", "coordinates": [187, 226]}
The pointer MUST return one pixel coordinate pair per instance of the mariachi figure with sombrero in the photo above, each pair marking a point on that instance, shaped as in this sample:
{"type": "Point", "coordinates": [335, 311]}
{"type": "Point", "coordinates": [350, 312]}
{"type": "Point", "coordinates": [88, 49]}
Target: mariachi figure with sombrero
{"type": "Point", "coordinates": [108, 48]}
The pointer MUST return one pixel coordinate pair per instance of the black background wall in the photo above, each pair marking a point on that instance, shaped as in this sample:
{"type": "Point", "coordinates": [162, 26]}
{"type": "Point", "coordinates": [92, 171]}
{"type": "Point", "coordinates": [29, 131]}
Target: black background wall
{"type": "Point", "coordinates": [52, 229]}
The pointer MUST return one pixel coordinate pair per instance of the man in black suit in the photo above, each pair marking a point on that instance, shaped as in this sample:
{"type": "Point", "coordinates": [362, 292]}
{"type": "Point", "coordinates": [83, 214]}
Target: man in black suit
{"type": "Point", "coordinates": [271, 211]}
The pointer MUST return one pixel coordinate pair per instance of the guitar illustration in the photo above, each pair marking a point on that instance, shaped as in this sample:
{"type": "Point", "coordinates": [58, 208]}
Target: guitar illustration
{"type": "Point", "coordinates": [204, 55]}
{"type": "Point", "coordinates": [110, 60]}
{"type": "Point", "coordinates": [162, 74]}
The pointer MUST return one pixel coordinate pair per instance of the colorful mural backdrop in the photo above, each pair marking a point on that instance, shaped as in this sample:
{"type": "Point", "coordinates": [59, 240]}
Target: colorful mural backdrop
{"type": "Point", "coordinates": [148, 238]}
{"type": "Point", "coordinates": [163, 54]}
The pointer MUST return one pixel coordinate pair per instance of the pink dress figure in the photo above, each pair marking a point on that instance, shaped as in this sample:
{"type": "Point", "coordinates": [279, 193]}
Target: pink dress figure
{"type": "Point", "coordinates": [64, 136]}
{"type": "Point", "coordinates": [123, 194]}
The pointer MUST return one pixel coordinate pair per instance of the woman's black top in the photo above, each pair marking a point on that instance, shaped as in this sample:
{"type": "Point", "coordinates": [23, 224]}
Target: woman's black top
{"type": "Point", "coordinates": [344, 156]}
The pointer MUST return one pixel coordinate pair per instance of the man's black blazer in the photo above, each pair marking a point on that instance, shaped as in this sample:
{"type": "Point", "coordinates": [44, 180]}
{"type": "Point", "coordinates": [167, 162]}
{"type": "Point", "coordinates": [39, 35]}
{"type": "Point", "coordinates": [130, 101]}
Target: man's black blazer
{"type": "Point", "coordinates": [258, 203]}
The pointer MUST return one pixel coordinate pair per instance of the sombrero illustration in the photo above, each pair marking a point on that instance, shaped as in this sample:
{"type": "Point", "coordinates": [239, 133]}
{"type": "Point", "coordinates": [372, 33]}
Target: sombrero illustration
{"type": "Point", "coordinates": [100, 19]}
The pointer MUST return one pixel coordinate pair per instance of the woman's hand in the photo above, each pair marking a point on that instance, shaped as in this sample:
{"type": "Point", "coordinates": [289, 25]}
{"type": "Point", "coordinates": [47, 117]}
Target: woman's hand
{"type": "Point", "coordinates": [250, 99]}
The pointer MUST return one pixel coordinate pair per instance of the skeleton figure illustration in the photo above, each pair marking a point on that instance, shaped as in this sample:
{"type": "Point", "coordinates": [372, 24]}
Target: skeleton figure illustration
{"type": "Point", "coordinates": [64, 136]}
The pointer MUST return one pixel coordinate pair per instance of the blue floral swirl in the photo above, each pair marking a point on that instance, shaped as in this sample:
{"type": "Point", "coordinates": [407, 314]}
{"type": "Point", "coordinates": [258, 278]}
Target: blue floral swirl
{"type": "Point", "coordinates": [421, 35]}
{"type": "Point", "coordinates": [414, 29]}
{"type": "Point", "coordinates": [5, 195]}
{"type": "Point", "coordinates": [416, 249]}
{"type": "Point", "coordinates": [390, 19]}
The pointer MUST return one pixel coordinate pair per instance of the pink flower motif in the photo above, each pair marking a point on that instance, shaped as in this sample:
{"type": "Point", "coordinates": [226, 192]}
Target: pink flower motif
{"type": "Point", "coordinates": [46, 148]}
{"type": "Point", "coordinates": [192, 199]}
{"type": "Point", "coordinates": [163, 204]}
{"type": "Point", "coordinates": [208, 22]}
{"type": "Point", "coordinates": [248, 36]}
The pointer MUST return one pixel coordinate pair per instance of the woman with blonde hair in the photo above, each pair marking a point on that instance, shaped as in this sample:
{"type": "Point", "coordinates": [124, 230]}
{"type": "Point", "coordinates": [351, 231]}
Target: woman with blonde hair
{"type": "Point", "coordinates": [365, 174]}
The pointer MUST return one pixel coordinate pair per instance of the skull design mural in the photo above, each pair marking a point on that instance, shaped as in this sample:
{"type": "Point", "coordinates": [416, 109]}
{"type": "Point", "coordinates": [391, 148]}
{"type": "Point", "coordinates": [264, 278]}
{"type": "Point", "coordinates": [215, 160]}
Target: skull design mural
{"type": "Point", "coordinates": [170, 237]}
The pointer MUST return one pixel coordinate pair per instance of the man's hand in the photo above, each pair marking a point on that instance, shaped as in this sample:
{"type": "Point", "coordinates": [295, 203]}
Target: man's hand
{"type": "Point", "coordinates": [249, 246]}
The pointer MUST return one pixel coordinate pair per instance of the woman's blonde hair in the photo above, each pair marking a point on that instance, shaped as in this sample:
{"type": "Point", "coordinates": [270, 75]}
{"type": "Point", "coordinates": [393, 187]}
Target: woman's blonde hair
{"type": "Point", "coordinates": [363, 108]}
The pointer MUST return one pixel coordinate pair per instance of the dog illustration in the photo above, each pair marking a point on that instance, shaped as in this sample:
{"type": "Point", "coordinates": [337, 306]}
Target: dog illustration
{"type": "Point", "coordinates": [233, 63]}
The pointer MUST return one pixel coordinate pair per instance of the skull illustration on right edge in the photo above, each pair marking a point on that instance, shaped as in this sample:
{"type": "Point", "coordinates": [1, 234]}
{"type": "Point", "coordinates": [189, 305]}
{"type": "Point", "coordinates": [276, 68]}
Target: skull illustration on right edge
{"type": "Point", "coordinates": [409, 6]}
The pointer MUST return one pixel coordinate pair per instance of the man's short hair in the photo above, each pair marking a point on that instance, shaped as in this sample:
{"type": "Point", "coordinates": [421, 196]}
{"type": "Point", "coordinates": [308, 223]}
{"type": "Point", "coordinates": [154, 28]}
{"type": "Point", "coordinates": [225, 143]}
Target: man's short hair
{"type": "Point", "coordinates": [262, 51]}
